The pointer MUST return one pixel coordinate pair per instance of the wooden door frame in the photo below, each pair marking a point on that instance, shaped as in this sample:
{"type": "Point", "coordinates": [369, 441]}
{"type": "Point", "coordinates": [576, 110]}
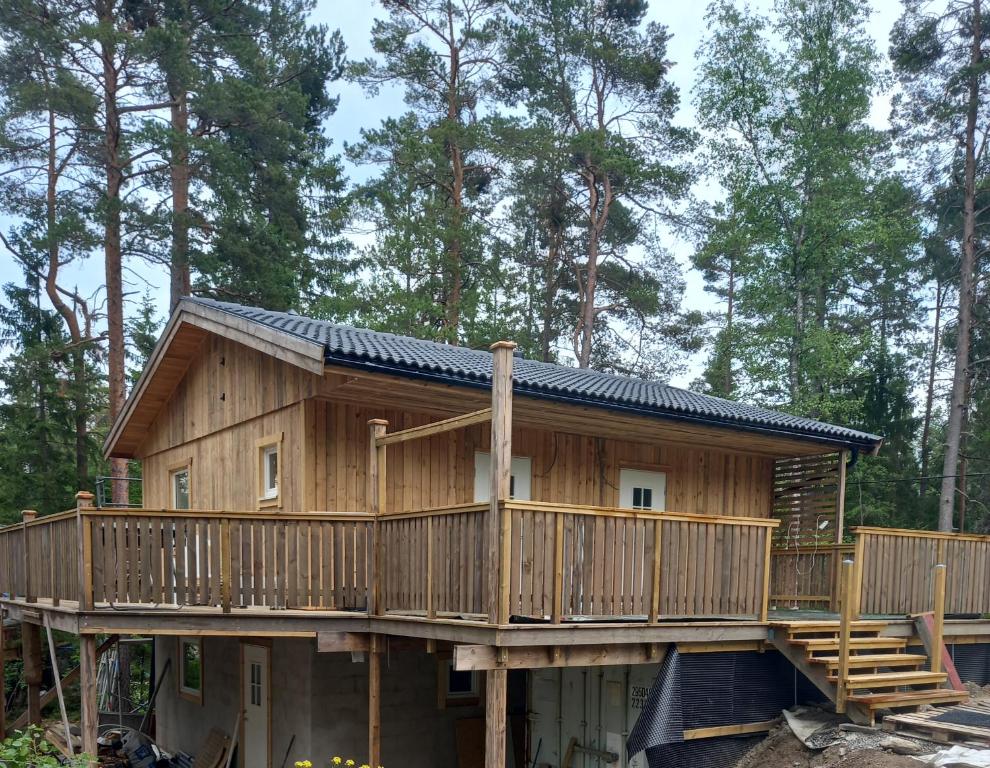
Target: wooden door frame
{"type": "Point", "coordinates": [266, 644]}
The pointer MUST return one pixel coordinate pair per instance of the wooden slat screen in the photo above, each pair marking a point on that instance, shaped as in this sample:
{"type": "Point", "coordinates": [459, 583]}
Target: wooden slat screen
{"type": "Point", "coordinates": [805, 495]}
{"type": "Point", "coordinates": [805, 577]}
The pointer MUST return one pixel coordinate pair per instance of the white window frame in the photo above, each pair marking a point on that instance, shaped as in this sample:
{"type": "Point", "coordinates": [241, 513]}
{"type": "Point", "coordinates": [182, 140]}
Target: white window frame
{"type": "Point", "coordinates": [633, 478]}
{"type": "Point", "coordinates": [174, 471]}
{"type": "Point", "coordinates": [520, 483]}
{"type": "Point", "coordinates": [193, 694]}
{"type": "Point", "coordinates": [269, 495]}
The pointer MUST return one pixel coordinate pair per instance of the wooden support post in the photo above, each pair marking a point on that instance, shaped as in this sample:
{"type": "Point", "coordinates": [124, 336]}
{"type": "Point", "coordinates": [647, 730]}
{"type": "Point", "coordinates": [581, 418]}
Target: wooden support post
{"type": "Point", "coordinates": [30, 587]}
{"type": "Point", "coordinates": [765, 601]}
{"type": "Point", "coordinates": [845, 631]}
{"type": "Point", "coordinates": [496, 684]}
{"type": "Point", "coordinates": [3, 671]}
{"type": "Point", "coordinates": [655, 577]}
{"type": "Point", "coordinates": [84, 528]}
{"type": "Point", "coordinates": [499, 529]}
{"type": "Point", "coordinates": [938, 618]}
{"type": "Point", "coordinates": [376, 506]}
{"type": "Point", "coordinates": [374, 702]}
{"type": "Point", "coordinates": [89, 717]}
{"type": "Point", "coordinates": [840, 497]}
{"type": "Point", "coordinates": [31, 648]}
{"type": "Point", "coordinates": [859, 555]}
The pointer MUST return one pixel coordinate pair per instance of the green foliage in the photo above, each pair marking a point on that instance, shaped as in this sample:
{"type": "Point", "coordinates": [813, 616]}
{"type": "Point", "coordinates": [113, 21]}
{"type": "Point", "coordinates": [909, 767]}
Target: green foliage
{"type": "Point", "coordinates": [28, 749]}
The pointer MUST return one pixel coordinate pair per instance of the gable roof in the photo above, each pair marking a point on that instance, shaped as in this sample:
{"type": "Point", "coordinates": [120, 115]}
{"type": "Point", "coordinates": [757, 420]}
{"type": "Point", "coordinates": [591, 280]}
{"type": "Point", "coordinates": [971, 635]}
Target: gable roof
{"type": "Point", "coordinates": [415, 358]}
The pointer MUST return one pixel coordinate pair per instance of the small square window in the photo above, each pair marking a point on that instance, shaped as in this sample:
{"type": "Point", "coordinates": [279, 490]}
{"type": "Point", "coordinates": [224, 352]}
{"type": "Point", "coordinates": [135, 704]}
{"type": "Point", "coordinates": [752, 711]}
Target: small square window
{"type": "Point", "coordinates": [457, 687]}
{"type": "Point", "coordinates": [269, 466]}
{"type": "Point", "coordinates": [191, 668]}
{"type": "Point", "coordinates": [180, 488]}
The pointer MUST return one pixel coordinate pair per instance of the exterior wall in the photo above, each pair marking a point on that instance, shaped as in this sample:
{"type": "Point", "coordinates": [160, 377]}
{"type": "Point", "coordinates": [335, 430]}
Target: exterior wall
{"type": "Point", "coordinates": [597, 706]}
{"type": "Point", "coordinates": [322, 699]}
{"type": "Point", "coordinates": [567, 468]}
{"type": "Point", "coordinates": [231, 396]}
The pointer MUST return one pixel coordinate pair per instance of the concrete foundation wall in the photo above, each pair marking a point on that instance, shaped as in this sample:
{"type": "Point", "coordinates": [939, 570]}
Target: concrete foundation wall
{"type": "Point", "coordinates": [322, 699]}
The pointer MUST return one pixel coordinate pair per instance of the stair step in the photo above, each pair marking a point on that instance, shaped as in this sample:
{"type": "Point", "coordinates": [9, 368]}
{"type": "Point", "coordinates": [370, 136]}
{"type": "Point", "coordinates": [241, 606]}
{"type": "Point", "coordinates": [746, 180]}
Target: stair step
{"type": "Point", "coordinates": [868, 660]}
{"type": "Point", "coordinates": [818, 627]}
{"type": "Point", "coordinates": [892, 679]}
{"type": "Point", "coordinates": [896, 700]}
{"type": "Point", "coordinates": [815, 644]}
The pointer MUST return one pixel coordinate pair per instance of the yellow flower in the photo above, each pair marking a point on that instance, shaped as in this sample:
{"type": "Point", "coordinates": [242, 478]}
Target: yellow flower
{"type": "Point", "coordinates": [300, 764]}
{"type": "Point", "coordinates": [349, 763]}
{"type": "Point", "coordinates": [336, 760]}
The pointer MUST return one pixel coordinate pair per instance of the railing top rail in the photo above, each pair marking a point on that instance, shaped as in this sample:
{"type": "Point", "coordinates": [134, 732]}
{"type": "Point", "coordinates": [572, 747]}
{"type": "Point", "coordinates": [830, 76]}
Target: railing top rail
{"type": "Point", "coordinates": [823, 547]}
{"type": "Point", "coordinates": [918, 534]}
{"type": "Point", "coordinates": [580, 509]}
{"type": "Point", "coordinates": [450, 509]}
{"type": "Point", "coordinates": [43, 520]}
{"type": "Point", "coordinates": [311, 517]}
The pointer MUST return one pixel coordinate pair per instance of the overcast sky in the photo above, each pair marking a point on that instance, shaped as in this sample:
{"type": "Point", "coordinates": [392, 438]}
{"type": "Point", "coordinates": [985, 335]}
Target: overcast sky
{"type": "Point", "coordinates": [686, 23]}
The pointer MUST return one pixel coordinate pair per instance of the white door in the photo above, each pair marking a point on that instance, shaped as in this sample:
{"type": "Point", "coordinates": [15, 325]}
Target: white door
{"type": "Point", "coordinates": [520, 484]}
{"type": "Point", "coordinates": [255, 681]}
{"type": "Point", "coordinates": [641, 489]}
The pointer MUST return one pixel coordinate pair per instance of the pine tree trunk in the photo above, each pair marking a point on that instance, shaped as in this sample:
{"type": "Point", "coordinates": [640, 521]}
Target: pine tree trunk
{"type": "Point", "coordinates": [112, 241]}
{"type": "Point", "coordinates": [957, 401]}
{"type": "Point", "coordinates": [727, 381]}
{"type": "Point", "coordinates": [926, 429]}
{"type": "Point", "coordinates": [179, 277]}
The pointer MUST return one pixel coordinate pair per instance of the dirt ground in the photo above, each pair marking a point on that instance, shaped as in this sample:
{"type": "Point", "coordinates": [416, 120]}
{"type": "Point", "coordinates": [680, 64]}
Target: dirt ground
{"type": "Point", "coordinates": [782, 749]}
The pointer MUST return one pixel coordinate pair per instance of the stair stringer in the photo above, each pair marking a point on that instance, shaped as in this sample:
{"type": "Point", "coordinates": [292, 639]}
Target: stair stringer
{"type": "Point", "coordinates": [817, 674]}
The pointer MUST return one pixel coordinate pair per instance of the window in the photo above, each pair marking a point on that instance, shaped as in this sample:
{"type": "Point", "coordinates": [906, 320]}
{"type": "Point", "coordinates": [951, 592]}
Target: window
{"type": "Point", "coordinates": [520, 481]}
{"type": "Point", "coordinates": [456, 688]}
{"type": "Point", "coordinates": [179, 482]}
{"type": "Point", "coordinates": [642, 489]}
{"type": "Point", "coordinates": [191, 668]}
{"type": "Point", "coordinates": [269, 477]}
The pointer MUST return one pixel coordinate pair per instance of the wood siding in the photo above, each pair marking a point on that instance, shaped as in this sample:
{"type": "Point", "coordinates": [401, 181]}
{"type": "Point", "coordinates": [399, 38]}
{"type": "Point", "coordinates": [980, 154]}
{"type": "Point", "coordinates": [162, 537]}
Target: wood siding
{"type": "Point", "coordinates": [231, 396]}
{"type": "Point", "coordinates": [568, 469]}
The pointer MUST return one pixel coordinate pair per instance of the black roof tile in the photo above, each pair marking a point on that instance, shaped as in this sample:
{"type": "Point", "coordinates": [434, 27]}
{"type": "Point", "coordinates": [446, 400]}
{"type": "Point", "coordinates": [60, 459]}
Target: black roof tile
{"type": "Point", "coordinates": [404, 355]}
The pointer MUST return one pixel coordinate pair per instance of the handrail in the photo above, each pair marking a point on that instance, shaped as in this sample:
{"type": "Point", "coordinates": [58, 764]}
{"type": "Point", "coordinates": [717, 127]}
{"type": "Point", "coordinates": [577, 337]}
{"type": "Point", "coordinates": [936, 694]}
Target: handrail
{"type": "Point", "coordinates": [907, 532]}
{"type": "Point", "coordinates": [644, 514]}
{"type": "Point", "coordinates": [448, 509]}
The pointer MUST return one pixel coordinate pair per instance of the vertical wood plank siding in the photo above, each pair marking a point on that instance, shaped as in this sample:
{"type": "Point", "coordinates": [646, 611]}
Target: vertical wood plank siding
{"type": "Point", "coordinates": [805, 576]}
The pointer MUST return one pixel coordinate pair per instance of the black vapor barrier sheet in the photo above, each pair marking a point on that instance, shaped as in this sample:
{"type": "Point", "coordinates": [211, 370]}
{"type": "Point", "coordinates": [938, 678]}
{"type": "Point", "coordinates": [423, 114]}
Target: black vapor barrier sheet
{"type": "Point", "coordinates": [700, 690]}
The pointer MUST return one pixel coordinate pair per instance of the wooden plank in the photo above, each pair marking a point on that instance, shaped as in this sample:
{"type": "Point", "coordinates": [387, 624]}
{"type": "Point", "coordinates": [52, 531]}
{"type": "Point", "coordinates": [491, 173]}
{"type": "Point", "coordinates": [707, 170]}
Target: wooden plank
{"type": "Point", "coordinates": [486, 657]}
{"type": "Point", "coordinates": [437, 427]}
{"type": "Point", "coordinates": [690, 734]}
{"type": "Point", "coordinates": [495, 716]}
{"type": "Point", "coordinates": [374, 703]}
{"type": "Point", "coordinates": [499, 529]}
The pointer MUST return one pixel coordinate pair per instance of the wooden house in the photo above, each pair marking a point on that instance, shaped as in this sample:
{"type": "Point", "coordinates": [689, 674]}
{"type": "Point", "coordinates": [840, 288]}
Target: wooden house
{"type": "Point", "coordinates": [423, 554]}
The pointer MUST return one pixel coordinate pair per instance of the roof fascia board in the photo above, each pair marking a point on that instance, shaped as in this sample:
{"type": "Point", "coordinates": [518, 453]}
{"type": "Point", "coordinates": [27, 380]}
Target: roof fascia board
{"type": "Point", "coordinates": [304, 354]}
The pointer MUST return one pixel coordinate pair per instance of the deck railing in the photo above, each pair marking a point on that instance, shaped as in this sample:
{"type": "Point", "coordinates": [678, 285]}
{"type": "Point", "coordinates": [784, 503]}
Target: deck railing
{"type": "Point", "coordinates": [573, 561]}
{"type": "Point", "coordinates": [560, 561]}
{"type": "Point", "coordinates": [894, 570]}
{"type": "Point", "coordinates": [807, 576]}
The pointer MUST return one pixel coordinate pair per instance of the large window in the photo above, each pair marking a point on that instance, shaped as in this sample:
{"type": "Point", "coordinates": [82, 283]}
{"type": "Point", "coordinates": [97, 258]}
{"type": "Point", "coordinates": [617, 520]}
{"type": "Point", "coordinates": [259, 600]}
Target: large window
{"type": "Point", "coordinates": [642, 489]}
{"type": "Point", "coordinates": [520, 481]}
{"type": "Point", "coordinates": [269, 470]}
{"type": "Point", "coordinates": [191, 668]}
{"type": "Point", "coordinates": [179, 478]}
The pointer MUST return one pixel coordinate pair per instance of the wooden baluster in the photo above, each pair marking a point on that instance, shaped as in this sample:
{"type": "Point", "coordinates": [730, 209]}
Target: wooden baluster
{"type": "Point", "coordinates": [845, 631]}
{"type": "Point", "coordinates": [938, 620]}
{"type": "Point", "coordinates": [765, 604]}
{"type": "Point", "coordinates": [225, 565]}
{"type": "Point", "coordinates": [30, 586]}
{"type": "Point", "coordinates": [654, 616]}
{"type": "Point", "coordinates": [558, 568]}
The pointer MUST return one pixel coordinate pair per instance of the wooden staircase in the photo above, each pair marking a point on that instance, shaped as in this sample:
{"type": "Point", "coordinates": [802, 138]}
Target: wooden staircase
{"type": "Point", "coordinates": [880, 674]}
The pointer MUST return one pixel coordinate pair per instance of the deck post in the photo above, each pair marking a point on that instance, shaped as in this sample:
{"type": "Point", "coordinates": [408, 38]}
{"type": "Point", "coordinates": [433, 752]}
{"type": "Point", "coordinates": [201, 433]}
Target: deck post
{"type": "Point", "coordinates": [840, 497]}
{"type": "Point", "coordinates": [376, 503]}
{"type": "Point", "coordinates": [496, 684]}
{"type": "Point", "coordinates": [89, 717]}
{"type": "Point", "coordinates": [84, 500]}
{"type": "Point", "coordinates": [31, 648]}
{"type": "Point", "coordinates": [374, 701]}
{"type": "Point", "coordinates": [499, 521]}
{"type": "Point", "coordinates": [3, 671]}
{"type": "Point", "coordinates": [845, 631]}
{"type": "Point", "coordinates": [27, 515]}
{"type": "Point", "coordinates": [938, 619]}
